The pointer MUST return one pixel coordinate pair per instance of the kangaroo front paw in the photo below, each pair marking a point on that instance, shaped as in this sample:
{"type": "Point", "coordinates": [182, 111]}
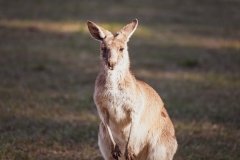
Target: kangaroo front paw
{"type": "Point", "coordinates": [129, 155]}
{"type": "Point", "coordinates": [116, 152]}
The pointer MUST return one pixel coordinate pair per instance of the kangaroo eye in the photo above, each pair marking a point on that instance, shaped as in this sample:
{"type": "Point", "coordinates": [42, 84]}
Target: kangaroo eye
{"type": "Point", "coordinates": [104, 52]}
{"type": "Point", "coordinates": [121, 49]}
{"type": "Point", "coordinates": [104, 49]}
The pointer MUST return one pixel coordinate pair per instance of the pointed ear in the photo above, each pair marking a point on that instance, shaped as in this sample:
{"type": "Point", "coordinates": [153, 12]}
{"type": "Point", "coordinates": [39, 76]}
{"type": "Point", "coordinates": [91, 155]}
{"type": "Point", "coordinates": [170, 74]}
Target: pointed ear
{"type": "Point", "coordinates": [96, 31]}
{"type": "Point", "coordinates": [129, 29]}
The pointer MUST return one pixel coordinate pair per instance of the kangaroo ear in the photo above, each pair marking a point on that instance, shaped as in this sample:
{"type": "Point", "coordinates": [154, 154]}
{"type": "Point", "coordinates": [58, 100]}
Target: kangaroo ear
{"type": "Point", "coordinates": [129, 29]}
{"type": "Point", "coordinates": [96, 31]}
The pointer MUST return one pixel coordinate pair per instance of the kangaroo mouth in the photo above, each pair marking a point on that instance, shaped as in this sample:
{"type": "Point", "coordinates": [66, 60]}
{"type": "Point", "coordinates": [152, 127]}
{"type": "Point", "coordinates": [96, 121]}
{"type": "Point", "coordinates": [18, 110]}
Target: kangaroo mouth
{"type": "Point", "coordinates": [110, 67]}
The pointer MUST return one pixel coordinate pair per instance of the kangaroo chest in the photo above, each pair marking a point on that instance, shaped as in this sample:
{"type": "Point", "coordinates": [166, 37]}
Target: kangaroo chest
{"type": "Point", "coordinates": [117, 103]}
{"type": "Point", "coordinates": [116, 99]}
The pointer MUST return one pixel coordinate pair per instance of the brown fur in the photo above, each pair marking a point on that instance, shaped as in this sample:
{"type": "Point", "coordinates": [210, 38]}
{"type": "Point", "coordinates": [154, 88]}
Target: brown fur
{"type": "Point", "coordinates": [134, 120]}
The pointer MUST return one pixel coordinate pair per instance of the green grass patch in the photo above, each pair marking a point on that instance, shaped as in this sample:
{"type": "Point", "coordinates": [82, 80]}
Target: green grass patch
{"type": "Point", "coordinates": [189, 63]}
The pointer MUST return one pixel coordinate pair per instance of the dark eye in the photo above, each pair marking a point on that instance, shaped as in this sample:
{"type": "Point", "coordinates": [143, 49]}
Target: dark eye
{"type": "Point", "coordinates": [104, 52]}
{"type": "Point", "coordinates": [104, 49]}
{"type": "Point", "coordinates": [121, 49]}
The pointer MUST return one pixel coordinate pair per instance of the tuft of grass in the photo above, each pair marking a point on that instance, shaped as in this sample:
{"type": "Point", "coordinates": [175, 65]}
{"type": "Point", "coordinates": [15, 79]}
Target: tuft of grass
{"type": "Point", "coordinates": [40, 67]}
{"type": "Point", "coordinates": [8, 152]}
{"type": "Point", "coordinates": [189, 63]}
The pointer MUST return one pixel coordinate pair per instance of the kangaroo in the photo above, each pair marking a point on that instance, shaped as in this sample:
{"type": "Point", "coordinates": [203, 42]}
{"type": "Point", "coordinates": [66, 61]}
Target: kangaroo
{"type": "Point", "coordinates": [133, 118]}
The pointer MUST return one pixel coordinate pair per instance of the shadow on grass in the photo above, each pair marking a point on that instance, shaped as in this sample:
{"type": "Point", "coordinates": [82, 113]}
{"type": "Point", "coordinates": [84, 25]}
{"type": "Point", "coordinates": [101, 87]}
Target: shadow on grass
{"type": "Point", "coordinates": [48, 137]}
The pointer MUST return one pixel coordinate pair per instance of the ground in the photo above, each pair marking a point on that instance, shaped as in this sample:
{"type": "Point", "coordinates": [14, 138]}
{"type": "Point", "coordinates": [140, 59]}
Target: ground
{"type": "Point", "coordinates": [188, 51]}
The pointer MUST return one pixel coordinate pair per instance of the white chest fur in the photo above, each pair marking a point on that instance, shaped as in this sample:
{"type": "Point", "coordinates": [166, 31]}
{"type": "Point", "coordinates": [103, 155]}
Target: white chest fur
{"type": "Point", "coordinates": [114, 96]}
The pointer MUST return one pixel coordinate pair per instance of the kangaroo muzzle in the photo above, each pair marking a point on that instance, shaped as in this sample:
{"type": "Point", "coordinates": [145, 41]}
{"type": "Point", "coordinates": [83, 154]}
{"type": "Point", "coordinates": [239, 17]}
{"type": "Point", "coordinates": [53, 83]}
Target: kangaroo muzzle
{"type": "Point", "coordinates": [111, 60]}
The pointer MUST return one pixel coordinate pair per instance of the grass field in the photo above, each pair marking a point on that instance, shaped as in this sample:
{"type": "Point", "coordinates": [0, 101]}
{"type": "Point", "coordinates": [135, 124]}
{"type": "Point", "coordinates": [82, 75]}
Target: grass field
{"type": "Point", "coordinates": [189, 51]}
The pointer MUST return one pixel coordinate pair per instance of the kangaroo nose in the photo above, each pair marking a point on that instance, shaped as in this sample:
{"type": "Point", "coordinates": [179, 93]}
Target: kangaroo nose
{"type": "Point", "coordinates": [111, 65]}
{"type": "Point", "coordinates": [111, 60]}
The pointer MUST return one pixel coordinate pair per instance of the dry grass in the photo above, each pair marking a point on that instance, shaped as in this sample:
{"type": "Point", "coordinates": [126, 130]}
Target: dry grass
{"type": "Point", "coordinates": [189, 51]}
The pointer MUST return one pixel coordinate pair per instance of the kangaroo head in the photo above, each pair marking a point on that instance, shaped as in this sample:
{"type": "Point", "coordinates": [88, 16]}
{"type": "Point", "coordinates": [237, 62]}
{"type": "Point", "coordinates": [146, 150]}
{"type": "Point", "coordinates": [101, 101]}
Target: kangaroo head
{"type": "Point", "coordinates": [114, 51]}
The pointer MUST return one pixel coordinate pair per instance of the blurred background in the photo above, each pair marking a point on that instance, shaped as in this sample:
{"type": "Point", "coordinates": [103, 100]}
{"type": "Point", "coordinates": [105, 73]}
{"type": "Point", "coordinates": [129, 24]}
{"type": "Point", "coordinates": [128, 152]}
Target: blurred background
{"type": "Point", "coordinates": [188, 51]}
